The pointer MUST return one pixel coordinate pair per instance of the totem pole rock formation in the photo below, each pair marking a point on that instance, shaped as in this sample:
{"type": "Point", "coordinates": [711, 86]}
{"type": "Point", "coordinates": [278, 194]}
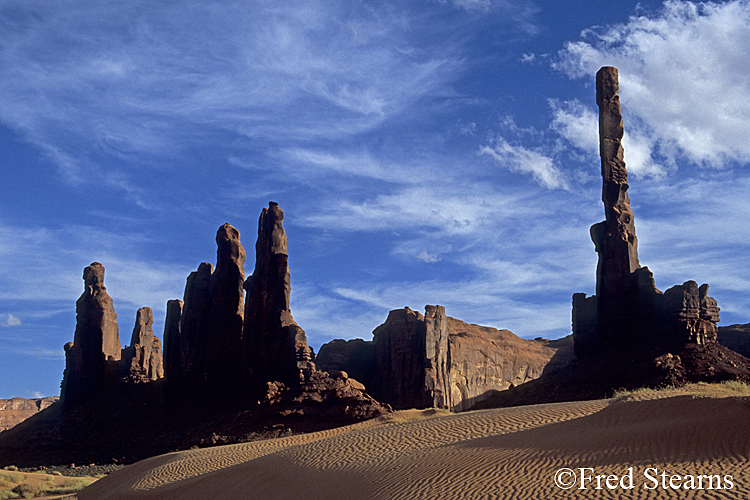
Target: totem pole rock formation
{"type": "Point", "coordinates": [92, 357]}
{"type": "Point", "coordinates": [275, 346]}
{"type": "Point", "coordinates": [142, 359]}
{"type": "Point", "coordinates": [628, 311]}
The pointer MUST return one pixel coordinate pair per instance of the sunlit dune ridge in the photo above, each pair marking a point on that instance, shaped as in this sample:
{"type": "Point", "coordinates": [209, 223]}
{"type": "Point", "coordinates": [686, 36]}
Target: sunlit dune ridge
{"type": "Point", "coordinates": [699, 434]}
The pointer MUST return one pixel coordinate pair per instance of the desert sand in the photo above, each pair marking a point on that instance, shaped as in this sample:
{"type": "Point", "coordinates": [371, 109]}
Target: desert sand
{"type": "Point", "coordinates": [677, 435]}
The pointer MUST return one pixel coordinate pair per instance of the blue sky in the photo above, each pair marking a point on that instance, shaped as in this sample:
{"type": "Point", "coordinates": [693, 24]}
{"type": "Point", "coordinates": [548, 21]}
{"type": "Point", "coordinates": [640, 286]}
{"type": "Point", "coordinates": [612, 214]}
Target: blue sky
{"type": "Point", "coordinates": [425, 152]}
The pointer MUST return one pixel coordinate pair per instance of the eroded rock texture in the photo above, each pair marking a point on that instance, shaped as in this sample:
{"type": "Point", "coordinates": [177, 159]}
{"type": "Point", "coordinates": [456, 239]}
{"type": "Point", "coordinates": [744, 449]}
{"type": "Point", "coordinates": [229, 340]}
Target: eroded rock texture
{"type": "Point", "coordinates": [91, 360]}
{"type": "Point", "coordinates": [484, 360]}
{"type": "Point", "coordinates": [276, 347]}
{"type": "Point", "coordinates": [628, 311]}
{"type": "Point", "coordinates": [438, 361]}
{"type": "Point", "coordinates": [142, 359]}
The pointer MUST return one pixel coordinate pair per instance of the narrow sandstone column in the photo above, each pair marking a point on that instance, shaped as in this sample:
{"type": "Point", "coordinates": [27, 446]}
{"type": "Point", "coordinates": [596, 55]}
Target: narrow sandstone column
{"type": "Point", "coordinates": [617, 244]}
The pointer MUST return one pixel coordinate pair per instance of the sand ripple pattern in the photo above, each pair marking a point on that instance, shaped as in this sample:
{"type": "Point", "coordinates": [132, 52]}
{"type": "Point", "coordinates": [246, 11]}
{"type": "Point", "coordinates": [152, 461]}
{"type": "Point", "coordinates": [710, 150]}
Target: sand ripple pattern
{"type": "Point", "coordinates": [508, 453]}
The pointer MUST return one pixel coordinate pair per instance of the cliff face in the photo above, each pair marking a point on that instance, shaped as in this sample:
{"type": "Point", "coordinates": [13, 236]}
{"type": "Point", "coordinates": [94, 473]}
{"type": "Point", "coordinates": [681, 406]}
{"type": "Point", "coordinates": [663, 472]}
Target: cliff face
{"type": "Point", "coordinates": [355, 357]}
{"type": "Point", "coordinates": [16, 410]}
{"type": "Point", "coordinates": [485, 360]}
{"type": "Point", "coordinates": [433, 360]}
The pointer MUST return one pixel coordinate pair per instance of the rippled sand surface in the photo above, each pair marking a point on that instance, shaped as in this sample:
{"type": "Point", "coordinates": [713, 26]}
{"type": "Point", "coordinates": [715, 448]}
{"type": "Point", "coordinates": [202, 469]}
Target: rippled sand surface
{"type": "Point", "coordinates": [511, 453]}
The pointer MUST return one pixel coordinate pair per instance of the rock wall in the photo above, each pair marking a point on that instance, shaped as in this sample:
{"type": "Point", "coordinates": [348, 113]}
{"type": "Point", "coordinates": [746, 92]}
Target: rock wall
{"type": "Point", "coordinates": [484, 360]}
{"type": "Point", "coordinates": [736, 338]}
{"type": "Point", "coordinates": [173, 339]}
{"type": "Point", "coordinates": [628, 312]}
{"type": "Point", "coordinates": [355, 357]}
{"type": "Point", "coordinates": [16, 410]}
{"type": "Point", "coordinates": [275, 347]}
{"type": "Point", "coordinates": [433, 360]}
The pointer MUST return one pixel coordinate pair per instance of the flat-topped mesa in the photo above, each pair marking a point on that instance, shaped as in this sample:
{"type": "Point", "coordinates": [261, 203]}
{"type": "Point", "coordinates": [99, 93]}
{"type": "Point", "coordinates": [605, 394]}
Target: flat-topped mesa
{"type": "Point", "coordinates": [142, 359]}
{"type": "Point", "coordinates": [275, 346]}
{"type": "Point", "coordinates": [628, 311]}
{"type": "Point", "coordinates": [92, 358]}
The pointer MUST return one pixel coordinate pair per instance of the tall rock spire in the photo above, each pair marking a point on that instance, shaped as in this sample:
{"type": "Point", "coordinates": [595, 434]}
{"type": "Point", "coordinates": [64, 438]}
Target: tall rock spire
{"type": "Point", "coordinates": [275, 346]}
{"type": "Point", "coordinates": [97, 340]}
{"type": "Point", "coordinates": [614, 238]}
{"type": "Point", "coordinates": [628, 311]}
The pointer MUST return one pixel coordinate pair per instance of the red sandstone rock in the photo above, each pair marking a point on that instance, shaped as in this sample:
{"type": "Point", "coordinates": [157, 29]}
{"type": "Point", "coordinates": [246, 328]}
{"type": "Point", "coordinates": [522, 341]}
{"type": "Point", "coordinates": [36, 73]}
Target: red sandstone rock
{"type": "Point", "coordinates": [16, 410]}
{"type": "Point", "coordinates": [91, 360]}
{"type": "Point", "coordinates": [628, 311]}
{"type": "Point", "coordinates": [438, 361]}
{"type": "Point", "coordinates": [275, 346]}
{"type": "Point", "coordinates": [142, 359]}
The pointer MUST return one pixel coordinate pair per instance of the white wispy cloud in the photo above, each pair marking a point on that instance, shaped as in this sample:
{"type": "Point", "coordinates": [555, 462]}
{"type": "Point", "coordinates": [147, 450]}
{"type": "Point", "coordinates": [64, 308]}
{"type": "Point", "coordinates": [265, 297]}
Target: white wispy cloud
{"type": "Point", "coordinates": [134, 82]}
{"type": "Point", "coordinates": [11, 320]}
{"type": "Point", "coordinates": [518, 158]}
{"type": "Point", "coordinates": [683, 77]}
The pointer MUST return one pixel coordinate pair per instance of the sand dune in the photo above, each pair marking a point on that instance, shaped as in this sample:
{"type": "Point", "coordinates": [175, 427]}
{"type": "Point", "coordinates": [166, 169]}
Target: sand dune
{"type": "Point", "coordinates": [494, 454]}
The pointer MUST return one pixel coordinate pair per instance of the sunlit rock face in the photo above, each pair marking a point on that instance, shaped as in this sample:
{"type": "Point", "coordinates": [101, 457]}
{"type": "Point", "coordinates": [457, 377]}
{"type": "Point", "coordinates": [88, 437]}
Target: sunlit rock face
{"type": "Point", "coordinates": [433, 360]}
{"type": "Point", "coordinates": [142, 359]}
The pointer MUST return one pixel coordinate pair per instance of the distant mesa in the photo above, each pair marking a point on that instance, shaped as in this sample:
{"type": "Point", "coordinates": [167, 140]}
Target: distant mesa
{"type": "Point", "coordinates": [16, 410]}
{"type": "Point", "coordinates": [433, 360]}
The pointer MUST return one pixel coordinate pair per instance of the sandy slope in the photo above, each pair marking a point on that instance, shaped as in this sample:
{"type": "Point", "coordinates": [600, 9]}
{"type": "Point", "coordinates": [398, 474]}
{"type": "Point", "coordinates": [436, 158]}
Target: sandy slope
{"type": "Point", "coordinates": [503, 453]}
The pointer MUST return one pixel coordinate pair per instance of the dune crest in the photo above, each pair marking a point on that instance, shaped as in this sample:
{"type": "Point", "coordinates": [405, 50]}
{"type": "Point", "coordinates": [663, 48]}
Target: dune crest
{"type": "Point", "coordinates": [499, 453]}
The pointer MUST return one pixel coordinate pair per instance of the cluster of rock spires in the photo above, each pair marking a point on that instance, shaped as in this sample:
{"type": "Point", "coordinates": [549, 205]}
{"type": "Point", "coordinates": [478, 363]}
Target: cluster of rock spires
{"type": "Point", "coordinates": [230, 332]}
{"type": "Point", "coordinates": [219, 341]}
{"type": "Point", "coordinates": [95, 360]}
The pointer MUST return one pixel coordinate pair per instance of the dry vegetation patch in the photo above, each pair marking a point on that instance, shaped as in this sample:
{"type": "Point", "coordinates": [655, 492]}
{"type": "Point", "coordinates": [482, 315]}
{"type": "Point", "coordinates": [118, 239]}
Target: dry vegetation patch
{"type": "Point", "coordinates": [35, 485]}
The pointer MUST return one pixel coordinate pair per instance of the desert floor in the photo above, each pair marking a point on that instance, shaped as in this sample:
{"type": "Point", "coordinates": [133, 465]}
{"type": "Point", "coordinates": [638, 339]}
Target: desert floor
{"type": "Point", "coordinates": [692, 442]}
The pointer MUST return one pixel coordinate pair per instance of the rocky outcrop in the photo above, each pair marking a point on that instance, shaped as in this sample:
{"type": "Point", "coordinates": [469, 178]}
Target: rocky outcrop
{"type": "Point", "coordinates": [628, 311]}
{"type": "Point", "coordinates": [16, 410]}
{"type": "Point", "coordinates": [276, 347]}
{"type": "Point", "coordinates": [142, 359]}
{"type": "Point", "coordinates": [438, 361]}
{"type": "Point", "coordinates": [91, 360]}
{"type": "Point", "coordinates": [205, 346]}
{"type": "Point", "coordinates": [194, 320]}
